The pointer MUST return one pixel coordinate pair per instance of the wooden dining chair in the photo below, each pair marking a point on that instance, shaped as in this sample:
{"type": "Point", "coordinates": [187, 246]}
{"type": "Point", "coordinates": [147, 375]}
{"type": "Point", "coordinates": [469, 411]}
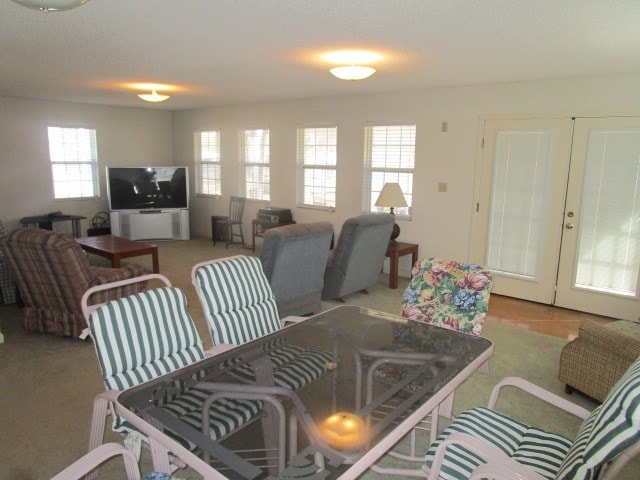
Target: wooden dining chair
{"type": "Point", "coordinates": [236, 211]}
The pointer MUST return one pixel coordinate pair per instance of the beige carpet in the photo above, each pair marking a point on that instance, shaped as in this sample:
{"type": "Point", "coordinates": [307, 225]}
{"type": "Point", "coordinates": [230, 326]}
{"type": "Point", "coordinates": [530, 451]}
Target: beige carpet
{"type": "Point", "coordinates": [47, 383]}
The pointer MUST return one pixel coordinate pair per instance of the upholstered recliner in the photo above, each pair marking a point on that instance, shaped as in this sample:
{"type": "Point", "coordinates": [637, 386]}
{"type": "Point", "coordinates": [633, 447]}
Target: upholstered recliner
{"type": "Point", "coordinates": [355, 264]}
{"type": "Point", "coordinates": [52, 273]}
{"type": "Point", "coordinates": [293, 258]}
{"type": "Point", "coordinates": [7, 283]}
{"type": "Point", "coordinates": [596, 359]}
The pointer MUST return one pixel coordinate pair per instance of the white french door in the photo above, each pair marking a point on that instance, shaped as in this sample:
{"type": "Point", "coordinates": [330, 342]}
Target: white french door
{"type": "Point", "coordinates": [559, 212]}
{"type": "Point", "coordinates": [522, 190]}
{"type": "Point", "coordinates": [599, 263]}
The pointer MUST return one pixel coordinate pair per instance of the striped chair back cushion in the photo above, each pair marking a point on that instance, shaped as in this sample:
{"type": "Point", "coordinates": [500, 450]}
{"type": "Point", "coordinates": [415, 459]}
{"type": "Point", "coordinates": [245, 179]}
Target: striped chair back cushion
{"type": "Point", "coordinates": [611, 428]}
{"type": "Point", "coordinates": [238, 301]}
{"type": "Point", "coordinates": [142, 336]}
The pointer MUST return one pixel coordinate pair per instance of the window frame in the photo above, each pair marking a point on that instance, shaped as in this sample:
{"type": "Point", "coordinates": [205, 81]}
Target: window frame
{"type": "Point", "coordinates": [390, 174]}
{"type": "Point", "coordinates": [60, 155]}
{"type": "Point", "coordinates": [259, 165]}
{"type": "Point", "coordinates": [303, 167]}
{"type": "Point", "coordinates": [202, 163]}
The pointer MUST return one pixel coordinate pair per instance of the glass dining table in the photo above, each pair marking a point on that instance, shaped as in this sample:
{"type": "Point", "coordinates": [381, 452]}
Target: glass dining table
{"type": "Point", "coordinates": [386, 375]}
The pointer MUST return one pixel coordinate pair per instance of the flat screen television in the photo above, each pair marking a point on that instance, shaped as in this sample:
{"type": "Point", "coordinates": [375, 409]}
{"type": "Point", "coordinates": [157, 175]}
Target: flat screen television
{"type": "Point", "coordinates": [148, 188]}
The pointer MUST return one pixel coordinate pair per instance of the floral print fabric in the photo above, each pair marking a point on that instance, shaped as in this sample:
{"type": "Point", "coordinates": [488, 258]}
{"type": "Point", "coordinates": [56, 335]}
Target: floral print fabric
{"type": "Point", "coordinates": [449, 294]}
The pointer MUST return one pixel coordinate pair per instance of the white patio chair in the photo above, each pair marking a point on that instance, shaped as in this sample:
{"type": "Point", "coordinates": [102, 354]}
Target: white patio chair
{"type": "Point", "coordinates": [483, 443]}
{"type": "Point", "coordinates": [240, 306]}
{"type": "Point", "coordinates": [146, 335]}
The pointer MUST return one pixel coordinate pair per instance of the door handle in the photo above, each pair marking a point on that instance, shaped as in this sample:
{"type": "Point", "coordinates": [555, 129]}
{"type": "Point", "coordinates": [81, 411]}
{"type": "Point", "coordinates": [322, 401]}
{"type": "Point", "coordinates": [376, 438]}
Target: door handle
{"type": "Point", "coordinates": [568, 226]}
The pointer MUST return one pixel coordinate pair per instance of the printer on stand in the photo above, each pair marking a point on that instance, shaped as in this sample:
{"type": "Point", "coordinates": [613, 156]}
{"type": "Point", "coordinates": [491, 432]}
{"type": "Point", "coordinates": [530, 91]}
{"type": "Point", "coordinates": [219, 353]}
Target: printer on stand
{"type": "Point", "coordinates": [275, 215]}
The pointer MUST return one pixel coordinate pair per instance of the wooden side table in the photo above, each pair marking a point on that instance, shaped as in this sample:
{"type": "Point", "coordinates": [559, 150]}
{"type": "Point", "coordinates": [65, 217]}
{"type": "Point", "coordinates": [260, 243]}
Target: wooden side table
{"type": "Point", "coordinates": [394, 252]}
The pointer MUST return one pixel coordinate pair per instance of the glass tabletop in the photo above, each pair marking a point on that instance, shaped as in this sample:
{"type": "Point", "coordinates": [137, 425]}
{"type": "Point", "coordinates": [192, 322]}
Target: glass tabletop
{"type": "Point", "coordinates": [379, 375]}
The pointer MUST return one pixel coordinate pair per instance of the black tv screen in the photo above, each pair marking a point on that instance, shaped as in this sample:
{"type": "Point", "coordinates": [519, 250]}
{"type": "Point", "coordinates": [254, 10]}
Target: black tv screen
{"type": "Point", "coordinates": [144, 188]}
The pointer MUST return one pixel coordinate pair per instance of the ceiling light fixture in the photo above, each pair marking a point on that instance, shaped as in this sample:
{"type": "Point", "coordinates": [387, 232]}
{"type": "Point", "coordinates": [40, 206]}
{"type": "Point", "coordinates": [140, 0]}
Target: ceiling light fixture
{"type": "Point", "coordinates": [153, 96]}
{"type": "Point", "coordinates": [51, 5]}
{"type": "Point", "coordinates": [352, 72]}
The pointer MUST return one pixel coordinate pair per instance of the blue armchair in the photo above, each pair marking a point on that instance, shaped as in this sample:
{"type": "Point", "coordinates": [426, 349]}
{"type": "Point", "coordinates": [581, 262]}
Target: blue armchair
{"type": "Point", "coordinates": [355, 264]}
{"type": "Point", "coordinates": [293, 259]}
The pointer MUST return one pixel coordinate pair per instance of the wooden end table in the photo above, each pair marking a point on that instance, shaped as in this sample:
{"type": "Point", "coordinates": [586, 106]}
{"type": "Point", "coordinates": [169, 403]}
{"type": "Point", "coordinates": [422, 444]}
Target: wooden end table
{"type": "Point", "coordinates": [45, 222]}
{"type": "Point", "coordinates": [394, 252]}
{"type": "Point", "coordinates": [116, 248]}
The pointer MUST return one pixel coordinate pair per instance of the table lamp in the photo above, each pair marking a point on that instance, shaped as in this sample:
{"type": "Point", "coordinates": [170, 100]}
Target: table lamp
{"type": "Point", "coordinates": [392, 196]}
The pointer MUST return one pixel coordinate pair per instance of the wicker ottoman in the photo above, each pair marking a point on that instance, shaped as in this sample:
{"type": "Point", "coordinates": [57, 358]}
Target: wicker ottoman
{"type": "Point", "coordinates": [594, 361]}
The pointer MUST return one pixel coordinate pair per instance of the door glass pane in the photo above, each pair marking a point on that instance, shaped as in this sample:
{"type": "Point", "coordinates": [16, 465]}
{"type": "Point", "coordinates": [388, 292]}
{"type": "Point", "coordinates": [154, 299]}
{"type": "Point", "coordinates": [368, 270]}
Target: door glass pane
{"type": "Point", "coordinates": [609, 237]}
{"type": "Point", "coordinates": [518, 205]}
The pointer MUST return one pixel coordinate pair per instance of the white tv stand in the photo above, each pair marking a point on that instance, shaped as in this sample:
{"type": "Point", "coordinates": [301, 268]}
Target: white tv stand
{"type": "Point", "coordinates": [151, 224]}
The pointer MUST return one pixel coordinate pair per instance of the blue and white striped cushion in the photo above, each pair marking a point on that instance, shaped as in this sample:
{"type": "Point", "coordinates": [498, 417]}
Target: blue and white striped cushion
{"type": "Point", "coordinates": [294, 367]}
{"type": "Point", "coordinates": [226, 415]}
{"type": "Point", "coordinates": [239, 303]}
{"type": "Point", "coordinates": [611, 428]}
{"type": "Point", "coordinates": [540, 450]}
{"type": "Point", "coordinates": [142, 336]}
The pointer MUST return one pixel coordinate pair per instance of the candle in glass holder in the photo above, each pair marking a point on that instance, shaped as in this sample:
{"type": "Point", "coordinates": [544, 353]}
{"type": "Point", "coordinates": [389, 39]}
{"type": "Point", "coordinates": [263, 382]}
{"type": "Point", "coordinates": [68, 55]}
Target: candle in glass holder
{"type": "Point", "coordinates": [343, 430]}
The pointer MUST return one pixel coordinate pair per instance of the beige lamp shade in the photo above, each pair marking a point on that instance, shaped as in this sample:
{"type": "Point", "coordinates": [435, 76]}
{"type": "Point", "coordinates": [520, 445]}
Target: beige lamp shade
{"type": "Point", "coordinates": [391, 196]}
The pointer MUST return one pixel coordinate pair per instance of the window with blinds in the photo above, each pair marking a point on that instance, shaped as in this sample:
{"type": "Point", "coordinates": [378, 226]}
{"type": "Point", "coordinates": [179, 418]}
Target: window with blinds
{"type": "Point", "coordinates": [254, 155]}
{"type": "Point", "coordinates": [317, 160]}
{"type": "Point", "coordinates": [74, 162]}
{"type": "Point", "coordinates": [520, 182]}
{"type": "Point", "coordinates": [608, 257]}
{"type": "Point", "coordinates": [390, 156]}
{"type": "Point", "coordinates": [208, 163]}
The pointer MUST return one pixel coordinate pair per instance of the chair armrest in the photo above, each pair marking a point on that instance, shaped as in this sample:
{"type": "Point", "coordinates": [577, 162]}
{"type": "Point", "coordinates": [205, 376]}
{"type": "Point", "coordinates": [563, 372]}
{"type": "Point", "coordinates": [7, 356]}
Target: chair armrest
{"type": "Point", "coordinates": [218, 349]}
{"type": "Point", "coordinates": [292, 319]}
{"type": "Point", "coordinates": [109, 395]}
{"type": "Point", "coordinates": [540, 393]}
{"type": "Point", "coordinates": [98, 456]}
{"type": "Point", "coordinates": [488, 452]}
{"type": "Point", "coordinates": [109, 275]}
{"type": "Point", "coordinates": [496, 472]}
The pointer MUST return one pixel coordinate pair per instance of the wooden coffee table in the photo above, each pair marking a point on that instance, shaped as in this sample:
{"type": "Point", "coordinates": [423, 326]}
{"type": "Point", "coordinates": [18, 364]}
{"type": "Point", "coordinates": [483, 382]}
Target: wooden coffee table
{"type": "Point", "coordinates": [116, 248]}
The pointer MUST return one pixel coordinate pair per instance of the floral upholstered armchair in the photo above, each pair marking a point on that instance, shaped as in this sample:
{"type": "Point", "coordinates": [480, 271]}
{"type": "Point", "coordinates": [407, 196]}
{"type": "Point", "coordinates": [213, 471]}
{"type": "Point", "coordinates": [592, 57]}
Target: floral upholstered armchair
{"type": "Point", "coordinates": [449, 294]}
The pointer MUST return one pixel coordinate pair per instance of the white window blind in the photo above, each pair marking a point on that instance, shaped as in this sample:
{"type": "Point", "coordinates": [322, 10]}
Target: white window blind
{"type": "Point", "coordinates": [609, 236]}
{"type": "Point", "coordinates": [522, 163]}
{"type": "Point", "coordinates": [209, 168]}
{"type": "Point", "coordinates": [74, 162]}
{"type": "Point", "coordinates": [390, 155]}
{"type": "Point", "coordinates": [255, 156]}
{"type": "Point", "coordinates": [317, 159]}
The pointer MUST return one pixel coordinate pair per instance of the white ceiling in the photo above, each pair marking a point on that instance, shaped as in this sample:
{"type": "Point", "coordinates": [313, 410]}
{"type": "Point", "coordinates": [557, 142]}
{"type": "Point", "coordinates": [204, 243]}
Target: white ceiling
{"type": "Point", "coordinates": [221, 52]}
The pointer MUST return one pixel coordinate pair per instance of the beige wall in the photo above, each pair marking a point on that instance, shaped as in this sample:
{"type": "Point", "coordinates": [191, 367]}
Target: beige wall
{"type": "Point", "coordinates": [441, 222]}
{"type": "Point", "coordinates": [125, 136]}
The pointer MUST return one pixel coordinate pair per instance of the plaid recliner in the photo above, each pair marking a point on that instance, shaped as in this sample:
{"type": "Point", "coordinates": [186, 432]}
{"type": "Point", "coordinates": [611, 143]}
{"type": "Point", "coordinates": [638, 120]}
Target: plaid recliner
{"type": "Point", "coordinates": [52, 273]}
{"type": "Point", "coordinates": [7, 283]}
